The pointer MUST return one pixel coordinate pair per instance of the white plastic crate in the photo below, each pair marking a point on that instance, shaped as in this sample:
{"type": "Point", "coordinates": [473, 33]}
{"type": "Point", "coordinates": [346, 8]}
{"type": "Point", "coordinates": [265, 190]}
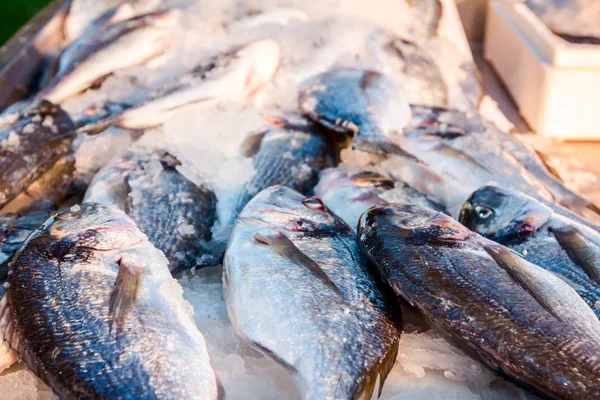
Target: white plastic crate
{"type": "Point", "coordinates": [555, 84]}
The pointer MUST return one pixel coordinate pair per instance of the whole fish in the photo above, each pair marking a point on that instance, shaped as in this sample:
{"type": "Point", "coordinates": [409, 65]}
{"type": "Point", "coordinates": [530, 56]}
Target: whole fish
{"type": "Point", "coordinates": [107, 49]}
{"type": "Point", "coordinates": [366, 104]}
{"type": "Point", "coordinates": [236, 74]}
{"type": "Point", "coordinates": [28, 150]}
{"type": "Point", "coordinates": [554, 242]}
{"type": "Point", "coordinates": [92, 309]}
{"type": "Point", "coordinates": [514, 316]}
{"type": "Point", "coordinates": [470, 153]}
{"type": "Point", "coordinates": [85, 15]}
{"type": "Point", "coordinates": [290, 155]}
{"type": "Point", "coordinates": [349, 192]}
{"type": "Point", "coordinates": [298, 290]}
{"type": "Point", "coordinates": [175, 214]}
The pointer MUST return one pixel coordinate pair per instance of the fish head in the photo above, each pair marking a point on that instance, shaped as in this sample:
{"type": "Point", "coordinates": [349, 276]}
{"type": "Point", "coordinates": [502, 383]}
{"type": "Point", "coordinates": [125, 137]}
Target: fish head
{"type": "Point", "coordinates": [502, 215]}
{"type": "Point", "coordinates": [415, 224]}
{"type": "Point", "coordinates": [95, 226]}
{"type": "Point", "coordinates": [283, 208]}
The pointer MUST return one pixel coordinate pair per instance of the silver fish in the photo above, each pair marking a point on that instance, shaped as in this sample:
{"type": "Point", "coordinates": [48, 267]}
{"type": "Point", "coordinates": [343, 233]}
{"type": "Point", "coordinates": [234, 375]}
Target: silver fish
{"type": "Point", "coordinates": [470, 153]}
{"type": "Point", "coordinates": [298, 290]}
{"type": "Point", "coordinates": [553, 241]}
{"type": "Point", "coordinates": [514, 316]}
{"type": "Point", "coordinates": [115, 322]}
{"type": "Point", "coordinates": [349, 192]}
{"type": "Point", "coordinates": [429, 13]}
{"type": "Point", "coordinates": [236, 74]}
{"type": "Point", "coordinates": [109, 48]}
{"type": "Point", "coordinates": [366, 104]}
{"type": "Point", "coordinates": [175, 214]}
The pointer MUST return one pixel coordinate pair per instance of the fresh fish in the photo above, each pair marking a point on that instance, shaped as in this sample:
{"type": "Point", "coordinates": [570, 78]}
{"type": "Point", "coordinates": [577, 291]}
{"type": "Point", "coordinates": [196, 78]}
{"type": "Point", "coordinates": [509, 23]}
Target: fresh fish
{"type": "Point", "coordinates": [422, 71]}
{"type": "Point", "coordinates": [298, 290]}
{"type": "Point", "coordinates": [552, 241]}
{"type": "Point", "coordinates": [428, 13]}
{"type": "Point", "coordinates": [175, 214]}
{"type": "Point", "coordinates": [349, 192]}
{"type": "Point", "coordinates": [112, 47]}
{"type": "Point", "coordinates": [86, 15]}
{"type": "Point", "coordinates": [26, 151]}
{"type": "Point", "coordinates": [236, 74]}
{"type": "Point", "coordinates": [366, 104]}
{"type": "Point", "coordinates": [471, 153]}
{"type": "Point", "coordinates": [291, 155]}
{"type": "Point", "coordinates": [115, 324]}
{"type": "Point", "coordinates": [514, 316]}
{"type": "Point", "coordinates": [14, 229]}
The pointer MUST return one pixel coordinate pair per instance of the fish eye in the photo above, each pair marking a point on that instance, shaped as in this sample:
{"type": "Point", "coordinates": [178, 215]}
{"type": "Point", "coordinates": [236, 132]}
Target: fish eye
{"type": "Point", "coordinates": [314, 203]}
{"type": "Point", "coordinates": [484, 212]}
{"type": "Point", "coordinates": [71, 215]}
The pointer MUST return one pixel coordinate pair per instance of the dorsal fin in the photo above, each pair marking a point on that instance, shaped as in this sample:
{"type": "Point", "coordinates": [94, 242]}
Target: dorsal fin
{"type": "Point", "coordinates": [580, 251]}
{"type": "Point", "coordinates": [284, 247]}
{"type": "Point", "coordinates": [125, 290]}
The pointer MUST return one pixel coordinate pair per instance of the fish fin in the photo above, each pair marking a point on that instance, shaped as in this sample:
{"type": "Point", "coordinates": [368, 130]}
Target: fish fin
{"type": "Point", "coordinates": [268, 352]}
{"type": "Point", "coordinates": [7, 355]}
{"type": "Point", "coordinates": [91, 129]}
{"type": "Point", "coordinates": [545, 161]}
{"type": "Point", "coordinates": [375, 378]}
{"type": "Point", "coordinates": [382, 147]}
{"type": "Point", "coordinates": [251, 145]}
{"type": "Point", "coordinates": [125, 290]}
{"type": "Point", "coordinates": [220, 390]}
{"type": "Point", "coordinates": [573, 242]}
{"type": "Point", "coordinates": [518, 268]}
{"type": "Point", "coordinates": [284, 246]}
{"type": "Point", "coordinates": [453, 152]}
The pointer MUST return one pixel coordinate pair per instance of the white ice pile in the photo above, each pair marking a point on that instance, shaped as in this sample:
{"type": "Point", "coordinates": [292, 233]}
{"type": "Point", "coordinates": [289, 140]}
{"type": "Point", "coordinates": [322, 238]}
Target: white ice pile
{"type": "Point", "coordinates": [314, 36]}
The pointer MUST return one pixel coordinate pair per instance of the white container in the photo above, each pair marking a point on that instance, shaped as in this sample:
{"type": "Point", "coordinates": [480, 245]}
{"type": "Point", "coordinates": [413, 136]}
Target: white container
{"type": "Point", "coordinates": [555, 84]}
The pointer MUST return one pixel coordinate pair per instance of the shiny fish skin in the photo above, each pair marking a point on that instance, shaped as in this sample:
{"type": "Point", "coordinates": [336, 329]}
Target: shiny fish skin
{"type": "Point", "coordinates": [514, 316]}
{"type": "Point", "coordinates": [472, 153]}
{"type": "Point", "coordinates": [158, 353]}
{"type": "Point", "coordinates": [336, 338]}
{"type": "Point", "coordinates": [530, 228]}
{"type": "Point", "coordinates": [176, 215]}
{"type": "Point", "coordinates": [349, 192]}
{"type": "Point", "coordinates": [106, 50]}
{"type": "Point", "coordinates": [366, 104]}
{"type": "Point", "coordinates": [292, 156]}
{"type": "Point", "coordinates": [26, 151]}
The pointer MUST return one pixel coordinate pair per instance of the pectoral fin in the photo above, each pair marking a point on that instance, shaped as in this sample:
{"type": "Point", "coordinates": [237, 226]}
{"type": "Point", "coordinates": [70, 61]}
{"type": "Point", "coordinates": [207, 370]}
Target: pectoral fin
{"type": "Point", "coordinates": [125, 290]}
{"type": "Point", "coordinates": [582, 252]}
{"type": "Point", "coordinates": [284, 247]}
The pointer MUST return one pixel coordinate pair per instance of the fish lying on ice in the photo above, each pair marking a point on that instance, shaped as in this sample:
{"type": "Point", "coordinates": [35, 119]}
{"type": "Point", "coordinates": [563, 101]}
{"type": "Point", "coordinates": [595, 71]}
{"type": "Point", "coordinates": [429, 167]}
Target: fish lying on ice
{"type": "Point", "coordinates": [349, 192]}
{"type": "Point", "coordinates": [92, 309]}
{"type": "Point", "coordinates": [298, 290]}
{"type": "Point", "coordinates": [366, 104]}
{"type": "Point", "coordinates": [90, 14]}
{"type": "Point", "coordinates": [235, 75]}
{"type": "Point", "coordinates": [470, 153]}
{"type": "Point", "coordinates": [175, 214]}
{"type": "Point", "coordinates": [514, 316]}
{"type": "Point", "coordinates": [554, 242]}
{"type": "Point", "coordinates": [107, 49]}
{"type": "Point", "coordinates": [27, 151]}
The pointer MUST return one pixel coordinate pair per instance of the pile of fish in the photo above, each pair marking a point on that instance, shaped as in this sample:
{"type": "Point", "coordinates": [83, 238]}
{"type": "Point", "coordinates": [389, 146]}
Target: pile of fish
{"type": "Point", "coordinates": [358, 212]}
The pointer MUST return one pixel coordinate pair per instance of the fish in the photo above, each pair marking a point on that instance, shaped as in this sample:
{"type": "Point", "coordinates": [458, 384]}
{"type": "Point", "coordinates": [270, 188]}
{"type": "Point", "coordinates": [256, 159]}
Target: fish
{"type": "Point", "coordinates": [514, 316]}
{"type": "Point", "coordinates": [349, 191]}
{"type": "Point", "coordinates": [235, 74]}
{"type": "Point", "coordinates": [107, 49]}
{"type": "Point", "coordinates": [291, 154]}
{"type": "Point", "coordinates": [363, 103]}
{"type": "Point", "coordinates": [14, 229]}
{"type": "Point", "coordinates": [175, 214]}
{"type": "Point", "coordinates": [116, 324]}
{"type": "Point", "coordinates": [26, 151]}
{"type": "Point", "coordinates": [456, 145]}
{"type": "Point", "coordinates": [550, 240]}
{"type": "Point", "coordinates": [429, 13]}
{"type": "Point", "coordinates": [297, 289]}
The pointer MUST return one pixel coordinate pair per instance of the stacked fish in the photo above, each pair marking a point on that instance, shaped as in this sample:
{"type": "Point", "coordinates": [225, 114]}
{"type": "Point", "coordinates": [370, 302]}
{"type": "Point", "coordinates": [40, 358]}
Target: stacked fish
{"type": "Point", "coordinates": [319, 253]}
